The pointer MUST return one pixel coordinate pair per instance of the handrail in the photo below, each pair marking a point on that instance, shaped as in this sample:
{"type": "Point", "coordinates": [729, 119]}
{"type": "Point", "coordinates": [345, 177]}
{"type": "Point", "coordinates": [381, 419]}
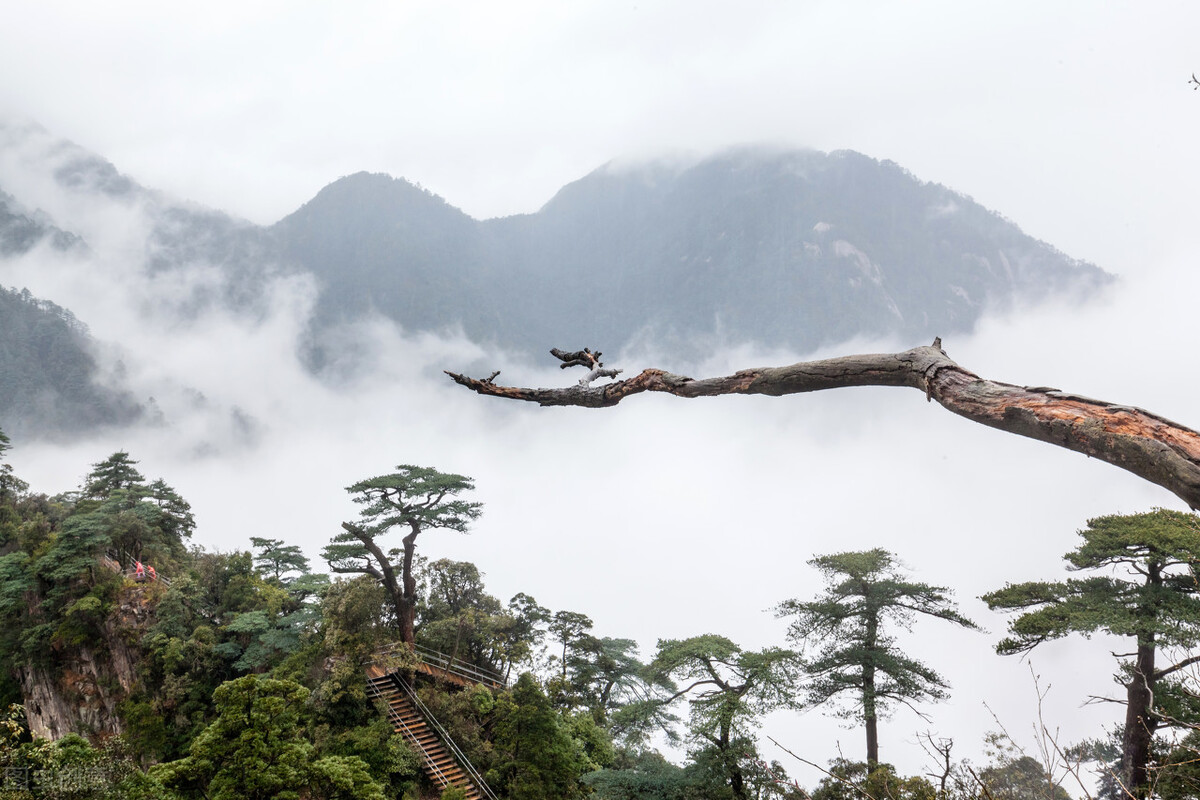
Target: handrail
{"type": "Point", "coordinates": [442, 661]}
{"type": "Point", "coordinates": [459, 756]}
{"type": "Point", "coordinates": [413, 738]}
{"type": "Point", "coordinates": [461, 668]}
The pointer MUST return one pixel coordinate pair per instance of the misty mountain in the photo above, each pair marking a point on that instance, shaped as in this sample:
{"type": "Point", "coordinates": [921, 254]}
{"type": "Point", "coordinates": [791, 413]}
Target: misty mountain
{"type": "Point", "coordinates": [21, 231]}
{"type": "Point", "coordinates": [50, 376]}
{"type": "Point", "coordinates": [379, 244]}
{"type": "Point", "coordinates": [788, 249]}
{"type": "Point", "coordinates": [78, 196]}
{"type": "Point", "coordinates": [794, 249]}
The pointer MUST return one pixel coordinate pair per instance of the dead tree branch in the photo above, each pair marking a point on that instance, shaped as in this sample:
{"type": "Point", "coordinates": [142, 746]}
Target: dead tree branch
{"type": "Point", "coordinates": [1143, 443]}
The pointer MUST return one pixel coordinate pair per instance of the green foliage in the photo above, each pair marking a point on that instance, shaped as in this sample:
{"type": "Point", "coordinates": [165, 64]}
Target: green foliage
{"type": "Point", "coordinates": [1160, 549]}
{"type": "Point", "coordinates": [70, 768]}
{"type": "Point", "coordinates": [1177, 776]}
{"type": "Point", "coordinates": [143, 521]}
{"type": "Point", "coordinates": [387, 758]}
{"type": "Point", "coordinates": [523, 635]}
{"type": "Point", "coordinates": [852, 780]}
{"type": "Point", "coordinates": [257, 749]}
{"type": "Point", "coordinates": [845, 630]}
{"type": "Point", "coordinates": [567, 627]}
{"type": "Point", "coordinates": [536, 756]}
{"type": "Point", "coordinates": [468, 716]}
{"type": "Point", "coordinates": [343, 778]}
{"type": "Point", "coordinates": [1146, 591]}
{"type": "Point", "coordinates": [220, 616]}
{"type": "Point", "coordinates": [354, 625]}
{"type": "Point", "coordinates": [115, 474]}
{"type": "Point", "coordinates": [218, 619]}
{"type": "Point", "coordinates": [650, 777]}
{"type": "Point", "coordinates": [1020, 777]}
{"type": "Point", "coordinates": [458, 618]}
{"type": "Point", "coordinates": [415, 499]}
{"type": "Point", "coordinates": [604, 676]}
{"type": "Point", "coordinates": [275, 559]}
{"type": "Point", "coordinates": [728, 690]}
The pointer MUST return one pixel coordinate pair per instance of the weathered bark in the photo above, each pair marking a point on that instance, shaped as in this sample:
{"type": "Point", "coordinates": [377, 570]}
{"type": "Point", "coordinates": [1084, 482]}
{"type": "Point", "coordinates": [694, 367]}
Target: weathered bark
{"type": "Point", "coordinates": [1138, 734]}
{"type": "Point", "coordinates": [1143, 443]}
{"type": "Point", "coordinates": [870, 711]}
{"type": "Point", "coordinates": [403, 591]}
{"type": "Point", "coordinates": [407, 608]}
{"type": "Point", "coordinates": [1140, 724]}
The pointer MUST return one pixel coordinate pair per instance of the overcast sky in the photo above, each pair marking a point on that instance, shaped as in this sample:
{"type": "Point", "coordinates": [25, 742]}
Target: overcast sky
{"type": "Point", "coordinates": [1075, 120]}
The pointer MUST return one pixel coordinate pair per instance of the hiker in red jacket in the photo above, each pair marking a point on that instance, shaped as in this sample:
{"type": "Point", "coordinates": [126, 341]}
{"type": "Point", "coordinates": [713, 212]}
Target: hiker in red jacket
{"type": "Point", "coordinates": [139, 572]}
{"type": "Point", "coordinates": [153, 574]}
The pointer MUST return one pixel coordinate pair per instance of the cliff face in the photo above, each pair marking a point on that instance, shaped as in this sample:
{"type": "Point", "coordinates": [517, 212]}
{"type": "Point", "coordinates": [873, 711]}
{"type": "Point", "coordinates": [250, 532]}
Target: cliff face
{"type": "Point", "coordinates": [81, 686]}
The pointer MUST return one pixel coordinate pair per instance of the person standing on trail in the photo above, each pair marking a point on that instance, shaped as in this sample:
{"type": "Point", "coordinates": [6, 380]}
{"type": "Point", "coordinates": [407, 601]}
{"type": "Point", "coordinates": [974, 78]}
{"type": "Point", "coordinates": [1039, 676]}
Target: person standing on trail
{"type": "Point", "coordinates": [153, 574]}
{"type": "Point", "coordinates": [139, 572]}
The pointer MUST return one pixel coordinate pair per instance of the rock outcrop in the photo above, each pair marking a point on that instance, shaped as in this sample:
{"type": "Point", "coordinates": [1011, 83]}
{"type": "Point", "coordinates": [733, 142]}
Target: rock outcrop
{"type": "Point", "coordinates": [79, 688]}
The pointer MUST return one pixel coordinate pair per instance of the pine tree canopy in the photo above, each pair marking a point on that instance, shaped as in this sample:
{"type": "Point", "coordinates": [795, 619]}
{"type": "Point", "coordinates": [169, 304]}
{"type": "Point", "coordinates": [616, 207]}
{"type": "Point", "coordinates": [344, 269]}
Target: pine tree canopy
{"type": "Point", "coordinates": [1150, 591]}
{"type": "Point", "coordinates": [420, 497]}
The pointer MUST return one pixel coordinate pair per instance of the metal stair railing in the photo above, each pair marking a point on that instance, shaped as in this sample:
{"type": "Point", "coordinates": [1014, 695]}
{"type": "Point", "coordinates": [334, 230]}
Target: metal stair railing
{"type": "Point", "coordinates": [462, 760]}
{"type": "Point", "coordinates": [414, 739]}
{"type": "Point", "coordinates": [460, 668]}
{"type": "Point", "coordinates": [441, 661]}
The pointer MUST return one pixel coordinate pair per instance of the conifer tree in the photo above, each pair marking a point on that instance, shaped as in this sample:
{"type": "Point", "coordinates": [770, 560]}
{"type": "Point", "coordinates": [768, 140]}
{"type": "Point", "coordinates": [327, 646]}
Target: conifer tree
{"type": "Point", "coordinates": [412, 498]}
{"type": "Point", "coordinates": [537, 758]}
{"type": "Point", "coordinates": [1152, 598]}
{"type": "Point", "coordinates": [275, 559]}
{"type": "Point", "coordinates": [728, 689]}
{"type": "Point", "coordinates": [846, 630]}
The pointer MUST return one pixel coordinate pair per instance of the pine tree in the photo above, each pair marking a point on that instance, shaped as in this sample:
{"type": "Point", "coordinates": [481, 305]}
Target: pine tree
{"type": "Point", "coordinates": [1157, 604]}
{"type": "Point", "coordinates": [846, 629]}
{"type": "Point", "coordinates": [728, 689]}
{"type": "Point", "coordinates": [412, 498]}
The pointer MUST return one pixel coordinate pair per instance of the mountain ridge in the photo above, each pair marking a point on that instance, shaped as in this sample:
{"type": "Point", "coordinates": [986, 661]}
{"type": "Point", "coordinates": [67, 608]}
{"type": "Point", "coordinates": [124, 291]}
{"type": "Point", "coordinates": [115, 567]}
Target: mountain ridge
{"type": "Point", "coordinates": [792, 248]}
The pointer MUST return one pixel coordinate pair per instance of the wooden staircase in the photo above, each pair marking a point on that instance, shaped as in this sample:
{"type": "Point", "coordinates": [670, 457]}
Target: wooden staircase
{"type": "Point", "coordinates": [440, 759]}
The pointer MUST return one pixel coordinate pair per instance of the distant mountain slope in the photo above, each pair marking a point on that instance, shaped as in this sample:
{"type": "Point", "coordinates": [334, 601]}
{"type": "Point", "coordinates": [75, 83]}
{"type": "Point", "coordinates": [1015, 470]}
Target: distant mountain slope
{"type": "Point", "coordinates": [795, 248]}
{"type": "Point", "coordinates": [784, 248]}
{"type": "Point", "coordinates": [382, 244]}
{"type": "Point", "coordinates": [48, 371]}
{"type": "Point", "coordinates": [21, 231]}
{"type": "Point", "coordinates": [49, 376]}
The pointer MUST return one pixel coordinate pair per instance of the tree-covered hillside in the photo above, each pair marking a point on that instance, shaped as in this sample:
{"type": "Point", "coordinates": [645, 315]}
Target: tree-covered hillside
{"type": "Point", "coordinates": [134, 664]}
{"type": "Point", "coordinates": [20, 232]}
{"type": "Point", "coordinates": [49, 383]}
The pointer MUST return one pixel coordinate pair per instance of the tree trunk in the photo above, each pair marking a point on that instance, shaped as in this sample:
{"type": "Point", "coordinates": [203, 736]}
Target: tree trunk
{"type": "Point", "coordinates": [870, 712]}
{"type": "Point", "coordinates": [1139, 724]}
{"type": "Point", "coordinates": [737, 781]}
{"type": "Point", "coordinates": [1147, 445]}
{"type": "Point", "coordinates": [872, 725]}
{"type": "Point", "coordinates": [402, 591]}
{"type": "Point", "coordinates": [406, 608]}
